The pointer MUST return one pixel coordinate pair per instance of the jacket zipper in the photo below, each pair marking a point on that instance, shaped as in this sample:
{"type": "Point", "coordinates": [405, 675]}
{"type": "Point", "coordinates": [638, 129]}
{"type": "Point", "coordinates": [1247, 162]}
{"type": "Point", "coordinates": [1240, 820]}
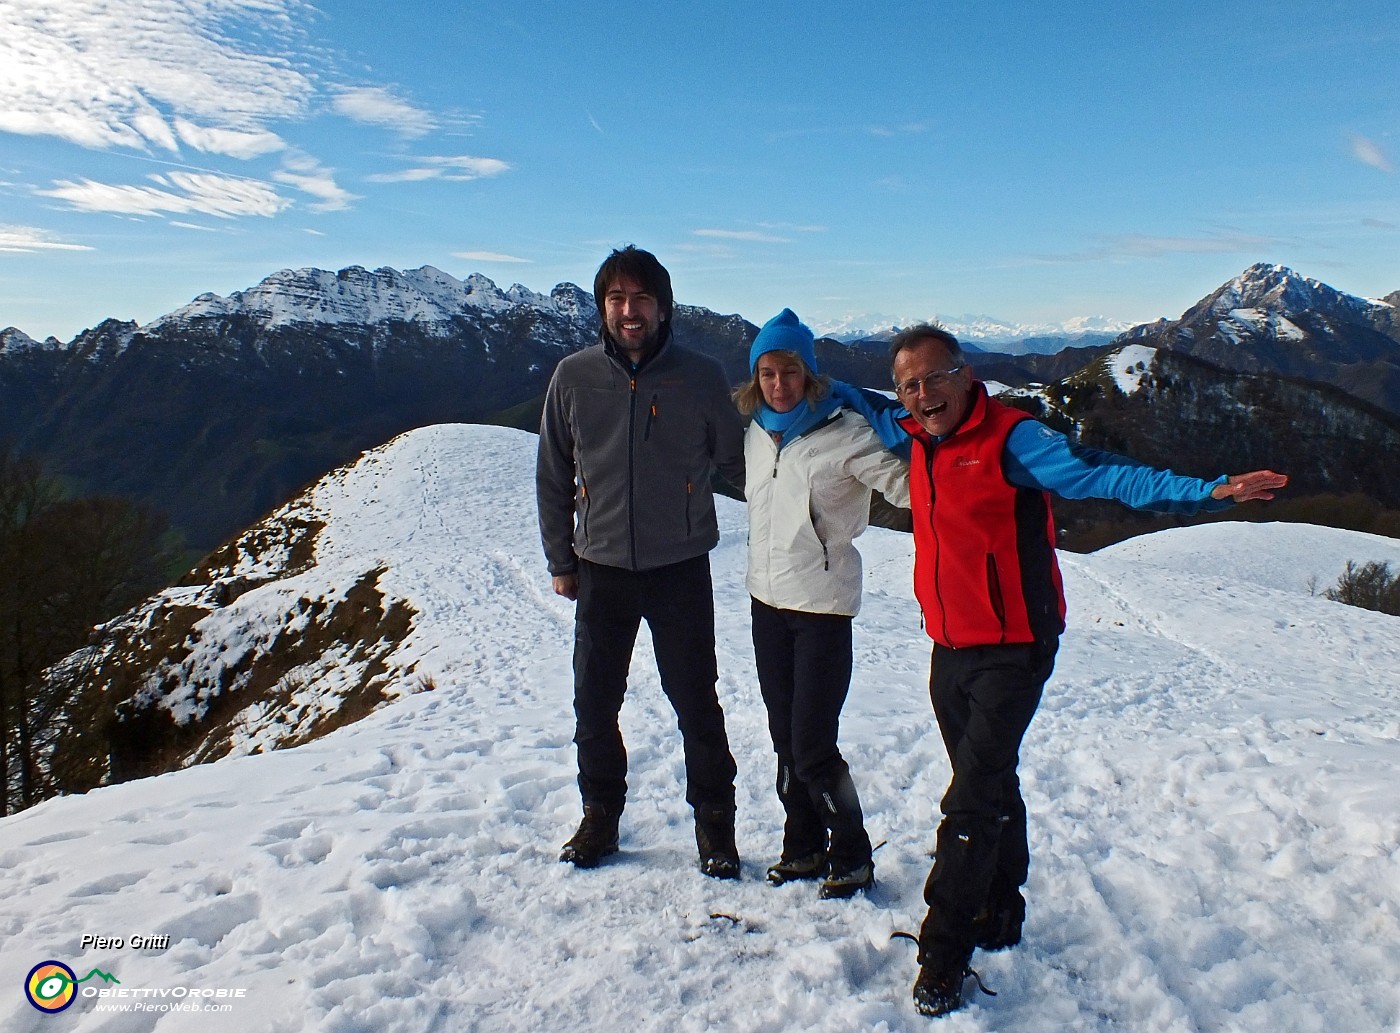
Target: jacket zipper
{"type": "Point", "coordinates": [632, 470]}
{"type": "Point", "coordinates": [938, 546]}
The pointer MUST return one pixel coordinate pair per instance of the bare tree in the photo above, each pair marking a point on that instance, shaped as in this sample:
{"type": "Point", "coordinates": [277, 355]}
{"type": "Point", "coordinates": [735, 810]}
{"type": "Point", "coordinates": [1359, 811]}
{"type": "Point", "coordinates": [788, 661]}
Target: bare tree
{"type": "Point", "coordinates": [66, 566]}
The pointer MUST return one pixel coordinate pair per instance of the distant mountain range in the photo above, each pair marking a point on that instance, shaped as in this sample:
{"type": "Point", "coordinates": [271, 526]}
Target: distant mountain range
{"type": "Point", "coordinates": [983, 333]}
{"type": "Point", "coordinates": [220, 411]}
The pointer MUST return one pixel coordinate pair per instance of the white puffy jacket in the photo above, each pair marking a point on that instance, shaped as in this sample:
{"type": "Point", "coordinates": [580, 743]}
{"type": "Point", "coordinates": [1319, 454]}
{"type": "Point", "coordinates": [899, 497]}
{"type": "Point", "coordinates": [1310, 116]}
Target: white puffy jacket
{"type": "Point", "coordinates": [807, 503]}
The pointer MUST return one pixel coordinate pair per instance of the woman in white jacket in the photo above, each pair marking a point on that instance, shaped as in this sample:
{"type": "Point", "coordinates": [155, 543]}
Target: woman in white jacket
{"type": "Point", "coordinates": [810, 467]}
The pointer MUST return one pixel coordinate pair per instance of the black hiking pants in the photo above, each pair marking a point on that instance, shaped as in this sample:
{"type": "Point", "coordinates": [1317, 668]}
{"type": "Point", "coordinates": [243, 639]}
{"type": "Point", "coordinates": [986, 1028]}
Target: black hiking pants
{"type": "Point", "coordinates": [984, 698]}
{"type": "Point", "coordinates": [677, 602]}
{"type": "Point", "coordinates": [804, 673]}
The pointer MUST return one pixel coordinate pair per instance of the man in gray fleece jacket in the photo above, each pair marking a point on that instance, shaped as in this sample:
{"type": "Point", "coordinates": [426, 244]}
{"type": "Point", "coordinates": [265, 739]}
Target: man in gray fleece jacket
{"type": "Point", "coordinates": [632, 428]}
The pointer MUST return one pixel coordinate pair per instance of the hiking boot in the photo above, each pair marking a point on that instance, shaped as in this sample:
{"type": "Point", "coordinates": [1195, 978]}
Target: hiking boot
{"type": "Point", "coordinates": [939, 991]}
{"type": "Point", "coordinates": [943, 965]}
{"type": "Point", "coordinates": [791, 869]}
{"type": "Point", "coordinates": [714, 838]}
{"type": "Point", "coordinates": [998, 926]}
{"type": "Point", "coordinates": [841, 885]}
{"type": "Point", "coordinates": [595, 839]}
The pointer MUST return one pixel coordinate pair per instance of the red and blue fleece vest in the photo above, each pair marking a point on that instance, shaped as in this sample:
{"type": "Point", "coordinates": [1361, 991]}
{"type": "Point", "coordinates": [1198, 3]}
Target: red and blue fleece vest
{"type": "Point", "coordinates": [985, 571]}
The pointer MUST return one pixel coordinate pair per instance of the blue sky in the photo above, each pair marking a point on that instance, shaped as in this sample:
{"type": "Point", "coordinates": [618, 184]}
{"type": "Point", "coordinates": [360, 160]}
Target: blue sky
{"type": "Point", "coordinates": [1030, 161]}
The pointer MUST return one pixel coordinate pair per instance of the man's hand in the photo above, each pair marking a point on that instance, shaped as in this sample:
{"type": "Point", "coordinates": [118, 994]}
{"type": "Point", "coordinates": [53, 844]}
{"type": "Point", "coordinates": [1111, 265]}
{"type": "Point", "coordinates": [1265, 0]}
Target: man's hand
{"type": "Point", "coordinates": [566, 585]}
{"type": "Point", "coordinates": [1246, 487]}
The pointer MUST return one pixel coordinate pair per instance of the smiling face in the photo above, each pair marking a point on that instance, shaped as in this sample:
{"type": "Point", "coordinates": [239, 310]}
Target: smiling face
{"type": "Point", "coordinates": [632, 317]}
{"type": "Point", "coordinates": [937, 403]}
{"type": "Point", "coordinates": [782, 378]}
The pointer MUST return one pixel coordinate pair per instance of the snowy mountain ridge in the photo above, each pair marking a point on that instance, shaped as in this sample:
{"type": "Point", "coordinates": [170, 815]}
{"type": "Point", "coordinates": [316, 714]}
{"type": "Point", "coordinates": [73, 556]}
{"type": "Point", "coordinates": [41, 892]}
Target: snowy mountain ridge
{"type": "Point", "coordinates": [355, 295]}
{"type": "Point", "coordinates": [1213, 826]}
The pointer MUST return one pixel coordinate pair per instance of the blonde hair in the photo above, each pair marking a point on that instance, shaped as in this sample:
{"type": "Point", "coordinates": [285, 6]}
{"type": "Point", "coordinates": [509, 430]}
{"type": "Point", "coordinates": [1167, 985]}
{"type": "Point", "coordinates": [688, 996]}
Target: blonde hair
{"type": "Point", "coordinates": [748, 396]}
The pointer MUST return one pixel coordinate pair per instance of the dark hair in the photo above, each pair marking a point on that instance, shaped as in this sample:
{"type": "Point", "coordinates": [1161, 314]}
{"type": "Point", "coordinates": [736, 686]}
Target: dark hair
{"type": "Point", "coordinates": [641, 266]}
{"type": "Point", "coordinates": [912, 336]}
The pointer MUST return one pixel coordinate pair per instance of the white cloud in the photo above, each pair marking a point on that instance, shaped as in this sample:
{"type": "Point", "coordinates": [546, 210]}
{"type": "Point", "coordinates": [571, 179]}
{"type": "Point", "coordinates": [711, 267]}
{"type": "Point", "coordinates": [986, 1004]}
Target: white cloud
{"type": "Point", "coordinates": [749, 235]}
{"type": "Point", "coordinates": [487, 256]}
{"type": "Point", "coordinates": [145, 74]}
{"type": "Point", "coordinates": [310, 177]}
{"type": "Point", "coordinates": [707, 250]}
{"type": "Point", "coordinates": [1368, 151]}
{"type": "Point", "coordinates": [28, 239]}
{"type": "Point", "coordinates": [1145, 246]}
{"type": "Point", "coordinates": [1141, 245]}
{"type": "Point", "coordinates": [906, 129]}
{"type": "Point", "coordinates": [180, 193]}
{"type": "Point", "coordinates": [458, 168]}
{"type": "Point", "coordinates": [790, 227]}
{"type": "Point", "coordinates": [234, 143]}
{"type": "Point", "coordinates": [376, 106]}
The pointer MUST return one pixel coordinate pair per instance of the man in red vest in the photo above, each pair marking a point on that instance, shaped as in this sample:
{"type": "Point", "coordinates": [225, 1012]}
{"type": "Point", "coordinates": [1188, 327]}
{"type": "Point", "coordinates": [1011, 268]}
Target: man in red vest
{"type": "Point", "coordinates": [985, 574]}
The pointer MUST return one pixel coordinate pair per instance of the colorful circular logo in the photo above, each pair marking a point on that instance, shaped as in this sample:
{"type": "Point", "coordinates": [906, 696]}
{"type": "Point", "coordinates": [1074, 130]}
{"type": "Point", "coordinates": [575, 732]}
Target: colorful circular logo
{"type": "Point", "coordinates": [51, 986]}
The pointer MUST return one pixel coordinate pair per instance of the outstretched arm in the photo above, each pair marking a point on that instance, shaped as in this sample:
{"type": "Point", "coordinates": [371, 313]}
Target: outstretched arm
{"type": "Point", "coordinates": [1038, 457]}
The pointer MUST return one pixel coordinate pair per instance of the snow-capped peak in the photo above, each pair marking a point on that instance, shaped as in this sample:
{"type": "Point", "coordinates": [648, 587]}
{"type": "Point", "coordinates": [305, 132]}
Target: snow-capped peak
{"type": "Point", "coordinates": [1264, 286]}
{"type": "Point", "coordinates": [15, 340]}
{"type": "Point", "coordinates": [356, 295]}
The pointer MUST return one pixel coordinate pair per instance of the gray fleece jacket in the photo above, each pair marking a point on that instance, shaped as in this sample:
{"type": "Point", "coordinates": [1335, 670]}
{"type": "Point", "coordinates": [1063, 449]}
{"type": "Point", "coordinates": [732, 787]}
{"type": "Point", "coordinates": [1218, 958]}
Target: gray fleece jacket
{"type": "Point", "coordinates": [625, 457]}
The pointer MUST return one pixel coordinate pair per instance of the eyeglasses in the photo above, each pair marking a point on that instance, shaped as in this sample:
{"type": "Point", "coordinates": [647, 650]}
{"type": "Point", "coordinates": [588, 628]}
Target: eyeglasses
{"type": "Point", "coordinates": [929, 382]}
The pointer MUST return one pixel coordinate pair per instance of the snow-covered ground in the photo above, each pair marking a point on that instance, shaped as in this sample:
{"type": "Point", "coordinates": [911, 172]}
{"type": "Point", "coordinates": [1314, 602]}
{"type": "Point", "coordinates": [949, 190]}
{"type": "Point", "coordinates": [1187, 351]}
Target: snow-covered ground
{"type": "Point", "coordinates": [1211, 778]}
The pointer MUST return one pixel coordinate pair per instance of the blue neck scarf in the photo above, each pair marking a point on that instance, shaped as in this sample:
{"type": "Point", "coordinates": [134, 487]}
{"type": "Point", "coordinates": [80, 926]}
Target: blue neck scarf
{"type": "Point", "coordinates": [801, 418]}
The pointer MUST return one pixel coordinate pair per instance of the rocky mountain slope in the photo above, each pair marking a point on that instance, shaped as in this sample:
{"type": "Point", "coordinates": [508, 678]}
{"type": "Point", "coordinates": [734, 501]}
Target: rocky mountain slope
{"type": "Point", "coordinates": [1270, 319]}
{"type": "Point", "coordinates": [306, 621]}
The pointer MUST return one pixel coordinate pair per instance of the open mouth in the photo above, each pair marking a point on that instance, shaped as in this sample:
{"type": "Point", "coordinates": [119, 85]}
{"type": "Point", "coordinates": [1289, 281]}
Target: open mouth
{"type": "Point", "coordinates": [930, 412]}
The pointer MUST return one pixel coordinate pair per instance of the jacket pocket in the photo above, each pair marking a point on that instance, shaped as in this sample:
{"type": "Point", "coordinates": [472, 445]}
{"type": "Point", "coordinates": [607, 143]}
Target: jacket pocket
{"type": "Point", "coordinates": [812, 520]}
{"type": "Point", "coordinates": [583, 505]}
{"type": "Point", "coordinates": [651, 418]}
{"type": "Point", "coordinates": [994, 591]}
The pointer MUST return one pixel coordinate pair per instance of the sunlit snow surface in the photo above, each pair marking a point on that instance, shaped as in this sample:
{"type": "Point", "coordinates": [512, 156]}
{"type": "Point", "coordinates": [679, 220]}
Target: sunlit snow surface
{"type": "Point", "coordinates": [1211, 779]}
{"type": "Point", "coordinates": [1128, 364]}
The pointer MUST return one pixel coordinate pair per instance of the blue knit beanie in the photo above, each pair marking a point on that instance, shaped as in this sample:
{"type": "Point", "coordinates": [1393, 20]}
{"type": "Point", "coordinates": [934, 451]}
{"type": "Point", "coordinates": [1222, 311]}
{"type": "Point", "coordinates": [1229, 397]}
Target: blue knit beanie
{"type": "Point", "coordinates": [784, 333]}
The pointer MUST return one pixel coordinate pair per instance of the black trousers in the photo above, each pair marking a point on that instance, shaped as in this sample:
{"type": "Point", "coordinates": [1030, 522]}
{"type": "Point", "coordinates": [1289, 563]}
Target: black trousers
{"type": "Point", "coordinates": [804, 673]}
{"type": "Point", "coordinates": [984, 698]}
{"type": "Point", "coordinates": [677, 602]}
